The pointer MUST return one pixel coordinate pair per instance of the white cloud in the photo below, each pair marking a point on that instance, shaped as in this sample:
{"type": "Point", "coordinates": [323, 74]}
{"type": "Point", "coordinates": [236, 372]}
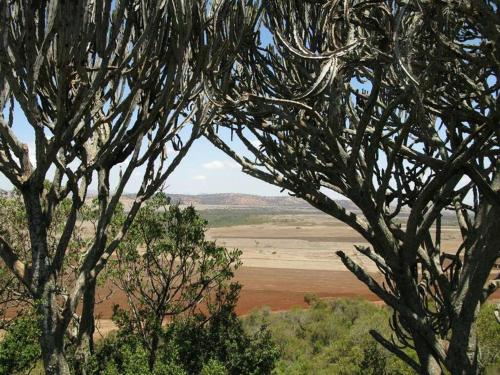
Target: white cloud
{"type": "Point", "coordinates": [231, 164]}
{"type": "Point", "coordinates": [217, 165]}
{"type": "Point", "coordinates": [200, 177]}
{"type": "Point", "coordinates": [214, 165]}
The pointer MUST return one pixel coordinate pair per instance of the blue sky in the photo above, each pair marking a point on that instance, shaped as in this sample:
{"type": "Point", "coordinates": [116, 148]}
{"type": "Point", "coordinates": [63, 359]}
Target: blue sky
{"type": "Point", "coordinates": [204, 170]}
{"type": "Point", "coordinates": [208, 170]}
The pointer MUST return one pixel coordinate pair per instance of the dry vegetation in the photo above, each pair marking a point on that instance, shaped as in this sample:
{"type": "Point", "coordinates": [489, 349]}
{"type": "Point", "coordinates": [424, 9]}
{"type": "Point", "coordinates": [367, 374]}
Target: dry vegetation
{"type": "Point", "coordinates": [286, 254]}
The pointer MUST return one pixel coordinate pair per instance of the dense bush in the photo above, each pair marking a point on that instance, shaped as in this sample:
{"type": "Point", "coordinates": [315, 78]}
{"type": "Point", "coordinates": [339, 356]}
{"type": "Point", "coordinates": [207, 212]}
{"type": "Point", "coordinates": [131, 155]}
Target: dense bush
{"type": "Point", "coordinates": [207, 344]}
{"type": "Point", "coordinates": [329, 338]}
{"type": "Point", "coordinates": [166, 267]}
{"type": "Point", "coordinates": [19, 348]}
{"type": "Point", "coordinates": [332, 337]}
{"type": "Point", "coordinates": [489, 338]}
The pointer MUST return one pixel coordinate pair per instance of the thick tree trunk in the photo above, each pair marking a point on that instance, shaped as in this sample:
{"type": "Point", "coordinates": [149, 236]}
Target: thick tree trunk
{"type": "Point", "coordinates": [54, 360]}
{"type": "Point", "coordinates": [85, 340]}
{"type": "Point", "coordinates": [428, 363]}
{"type": "Point", "coordinates": [464, 354]}
{"type": "Point", "coordinates": [464, 359]}
{"type": "Point", "coordinates": [52, 336]}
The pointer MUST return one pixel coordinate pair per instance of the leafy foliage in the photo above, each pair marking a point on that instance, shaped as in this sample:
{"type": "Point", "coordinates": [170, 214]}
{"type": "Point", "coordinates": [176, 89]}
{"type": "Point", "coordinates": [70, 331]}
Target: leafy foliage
{"type": "Point", "coordinates": [329, 338]}
{"type": "Point", "coordinates": [224, 338]}
{"type": "Point", "coordinates": [332, 337]}
{"type": "Point", "coordinates": [212, 343]}
{"type": "Point", "coordinates": [489, 337]}
{"type": "Point", "coordinates": [166, 267]}
{"type": "Point", "coordinates": [122, 353]}
{"type": "Point", "coordinates": [20, 348]}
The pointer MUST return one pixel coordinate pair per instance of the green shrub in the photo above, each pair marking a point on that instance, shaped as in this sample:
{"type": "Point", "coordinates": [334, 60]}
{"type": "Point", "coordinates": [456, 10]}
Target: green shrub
{"type": "Point", "coordinates": [224, 338]}
{"type": "Point", "coordinates": [213, 367]}
{"type": "Point", "coordinates": [488, 330]}
{"type": "Point", "coordinates": [20, 348]}
{"type": "Point", "coordinates": [331, 337]}
{"type": "Point", "coordinates": [210, 345]}
{"type": "Point", "coordinates": [125, 354]}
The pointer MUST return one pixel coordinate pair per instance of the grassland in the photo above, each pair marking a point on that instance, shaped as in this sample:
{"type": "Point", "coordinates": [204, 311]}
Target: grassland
{"type": "Point", "coordinates": [229, 217]}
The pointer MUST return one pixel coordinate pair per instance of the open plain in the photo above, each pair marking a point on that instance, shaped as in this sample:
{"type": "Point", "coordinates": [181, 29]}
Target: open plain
{"type": "Point", "coordinates": [287, 253]}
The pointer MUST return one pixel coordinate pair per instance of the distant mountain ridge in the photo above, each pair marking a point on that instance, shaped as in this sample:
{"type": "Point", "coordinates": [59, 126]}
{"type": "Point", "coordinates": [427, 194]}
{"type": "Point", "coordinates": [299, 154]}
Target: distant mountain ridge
{"type": "Point", "coordinates": [247, 200]}
{"type": "Point", "coordinates": [227, 199]}
{"type": "Point", "coordinates": [236, 199]}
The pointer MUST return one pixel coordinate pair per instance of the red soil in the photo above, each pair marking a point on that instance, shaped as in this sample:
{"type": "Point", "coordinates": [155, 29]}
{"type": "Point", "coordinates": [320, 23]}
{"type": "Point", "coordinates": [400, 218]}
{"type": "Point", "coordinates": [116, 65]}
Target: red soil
{"type": "Point", "coordinates": [277, 288]}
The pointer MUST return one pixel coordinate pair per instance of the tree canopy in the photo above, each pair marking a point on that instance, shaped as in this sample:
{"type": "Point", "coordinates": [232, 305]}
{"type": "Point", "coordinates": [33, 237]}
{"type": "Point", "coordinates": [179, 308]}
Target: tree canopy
{"type": "Point", "coordinates": [93, 92]}
{"type": "Point", "coordinates": [393, 105]}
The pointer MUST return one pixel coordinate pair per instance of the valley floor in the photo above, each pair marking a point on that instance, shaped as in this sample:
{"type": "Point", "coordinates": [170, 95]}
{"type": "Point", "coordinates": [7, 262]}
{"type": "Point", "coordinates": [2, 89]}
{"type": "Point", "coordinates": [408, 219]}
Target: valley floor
{"type": "Point", "coordinates": [287, 256]}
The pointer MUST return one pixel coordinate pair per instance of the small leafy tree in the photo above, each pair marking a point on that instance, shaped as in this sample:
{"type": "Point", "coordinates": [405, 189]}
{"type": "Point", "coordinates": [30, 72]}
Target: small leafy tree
{"type": "Point", "coordinates": [211, 341]}
{"type": "Point", "coordinates": [219, 335]}
{"type": "Point", "coordinates": [166, 268]}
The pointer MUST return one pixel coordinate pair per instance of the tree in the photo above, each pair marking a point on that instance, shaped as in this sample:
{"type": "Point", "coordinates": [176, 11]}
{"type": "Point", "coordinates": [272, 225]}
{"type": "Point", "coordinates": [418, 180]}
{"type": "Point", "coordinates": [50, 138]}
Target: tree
{"type": "Point", "coordinates": [393, 105]}
{"type": "Point", "coordinates": [217, 334]}
{"type": "Point", "coordinates": [106, 91]}
{"type": "Point", "coordinates": [13, 295]}
{"type": "Point", "coordinates": [212, 340]}
{"type": "Point", "coordinates": [166, 268]}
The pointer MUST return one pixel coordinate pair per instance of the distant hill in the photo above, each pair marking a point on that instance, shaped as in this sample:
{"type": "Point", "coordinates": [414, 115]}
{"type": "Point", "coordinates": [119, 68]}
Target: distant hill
{"type": "Point", "coordinates": [235, 199]}
{"type": "Point", "coordinates": [246, 200]}
{"type": "Point", "coordinates": [5, 193]}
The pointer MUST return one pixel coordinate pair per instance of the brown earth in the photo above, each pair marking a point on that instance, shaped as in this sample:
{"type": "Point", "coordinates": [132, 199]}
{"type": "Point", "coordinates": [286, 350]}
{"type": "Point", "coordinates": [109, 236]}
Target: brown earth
{"type": "Point", "coordinates": [285, 259]}
{"type": "Point", "coordinates": [277, 288]}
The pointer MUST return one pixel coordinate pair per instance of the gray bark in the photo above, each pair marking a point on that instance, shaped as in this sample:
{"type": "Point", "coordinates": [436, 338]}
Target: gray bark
{"type": "Point", "coordinates": [110, 89]}
{"type": "Point", "coordinates": [52, 337]}
{"type": "Point", "coordinates": [361, 100]}
{"type": "Point", "coordinates": [86, 328]}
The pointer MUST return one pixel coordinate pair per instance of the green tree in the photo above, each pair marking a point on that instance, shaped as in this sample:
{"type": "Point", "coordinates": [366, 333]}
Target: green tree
{"type": "Point", "coordinates": [166, 268]}
{"type": "Point", "coordinates": [212, 341]}
{"type": "Point", "coordinates": [220, 335]}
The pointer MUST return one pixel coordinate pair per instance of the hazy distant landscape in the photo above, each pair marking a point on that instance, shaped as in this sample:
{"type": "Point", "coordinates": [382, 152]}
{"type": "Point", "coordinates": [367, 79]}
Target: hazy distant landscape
{"type": "Point", "coordinates": [288, 250]}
